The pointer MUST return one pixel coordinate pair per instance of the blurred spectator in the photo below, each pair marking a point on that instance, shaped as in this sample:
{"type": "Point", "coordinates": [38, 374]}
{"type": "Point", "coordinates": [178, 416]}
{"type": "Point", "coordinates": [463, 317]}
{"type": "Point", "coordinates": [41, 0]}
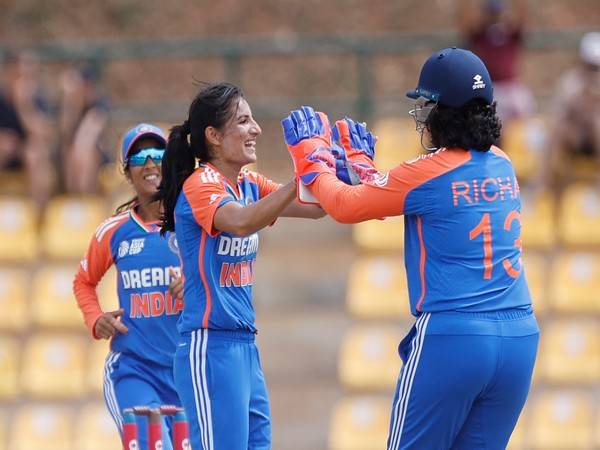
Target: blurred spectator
{"type": "Point", "coordinates": [575, 127]}
{"type": "Point", "coordinates": [83, 117]}
{"type": "Point", "coordinates": [25, 131]}
{"type": "Point", "coordinates": [494, 31]}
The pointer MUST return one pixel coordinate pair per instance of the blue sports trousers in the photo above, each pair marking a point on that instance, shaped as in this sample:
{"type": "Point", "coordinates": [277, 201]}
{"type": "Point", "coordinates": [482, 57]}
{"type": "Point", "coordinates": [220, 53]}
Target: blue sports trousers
{"type": "Point", "coordinates": [222, 386]}
{"type": "Point", "coordinates": [464, 381]}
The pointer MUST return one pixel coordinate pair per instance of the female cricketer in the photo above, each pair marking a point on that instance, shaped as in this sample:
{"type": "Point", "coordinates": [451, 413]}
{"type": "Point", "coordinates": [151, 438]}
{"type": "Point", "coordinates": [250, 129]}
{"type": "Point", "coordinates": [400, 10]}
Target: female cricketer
{"type": "Point", "coordinates": [469, 357]}
{"type": "Point", "coordinates": [216, 210]}
{"type": "Point", "coordinates": [139, 367]}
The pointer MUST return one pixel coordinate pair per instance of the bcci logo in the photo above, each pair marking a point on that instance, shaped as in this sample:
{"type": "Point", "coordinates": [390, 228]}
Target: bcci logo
{"type": "Point", "coordinates": [173, 246]}
{"type": "Point", "coordinates": [123, 249]}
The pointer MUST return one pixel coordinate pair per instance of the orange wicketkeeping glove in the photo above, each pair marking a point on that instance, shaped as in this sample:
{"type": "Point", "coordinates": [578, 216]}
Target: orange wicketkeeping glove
{"type": "Point", "coordinates": [308, 139]}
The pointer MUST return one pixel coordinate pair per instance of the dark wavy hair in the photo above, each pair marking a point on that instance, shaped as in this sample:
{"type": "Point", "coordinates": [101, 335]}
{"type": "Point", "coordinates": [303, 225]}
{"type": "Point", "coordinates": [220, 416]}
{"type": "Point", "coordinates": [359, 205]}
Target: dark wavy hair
{"type": "Point", "coordinates": [475, 125]}
{"type": "Point", "coordinates": [213, 106]}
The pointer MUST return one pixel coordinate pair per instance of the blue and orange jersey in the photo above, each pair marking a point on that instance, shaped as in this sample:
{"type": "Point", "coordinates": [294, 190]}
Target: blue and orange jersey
{"type": "Point", "coordinates": [217, 267]}
{"type": "Point", "coordinates": [142, 258]}
{"type": "Point", "coordinates": [462, 213]}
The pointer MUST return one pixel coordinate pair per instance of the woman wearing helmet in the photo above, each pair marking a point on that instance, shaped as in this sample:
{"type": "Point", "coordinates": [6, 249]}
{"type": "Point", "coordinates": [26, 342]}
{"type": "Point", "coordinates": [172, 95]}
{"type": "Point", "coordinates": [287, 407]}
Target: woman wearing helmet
{"type": "Point", "coordinates": [468, 359]}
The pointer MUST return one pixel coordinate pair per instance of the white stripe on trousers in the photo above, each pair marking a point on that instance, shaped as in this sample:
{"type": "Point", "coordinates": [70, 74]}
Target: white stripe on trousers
{"type": "Point", "coordinates": [109, 390]}
{"type": "Point", "coordinates": [406, 382]}
{"type": "Point", "coordinates": [198, 344]}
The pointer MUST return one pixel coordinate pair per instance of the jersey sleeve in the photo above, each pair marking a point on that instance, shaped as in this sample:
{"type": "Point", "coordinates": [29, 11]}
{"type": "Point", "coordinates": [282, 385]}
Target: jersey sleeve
{"type": "Point", "coordinates": [403, 190]}
{"type": "Point", "coordinates": [204, 196]}
{"type": "Point", "coordinates": [265, 185]}
{"type": "Point", "coordinates": [92, 268]}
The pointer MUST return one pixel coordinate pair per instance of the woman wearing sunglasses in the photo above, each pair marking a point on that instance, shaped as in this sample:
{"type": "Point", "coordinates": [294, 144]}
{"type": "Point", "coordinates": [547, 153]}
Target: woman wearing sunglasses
{"type": "Point", "coordinates": [139, 366]}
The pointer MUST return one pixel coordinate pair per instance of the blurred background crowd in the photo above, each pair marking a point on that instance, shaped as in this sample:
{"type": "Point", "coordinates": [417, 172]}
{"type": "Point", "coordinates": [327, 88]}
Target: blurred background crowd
{"type": "Point", "coordinates": [75, 75]}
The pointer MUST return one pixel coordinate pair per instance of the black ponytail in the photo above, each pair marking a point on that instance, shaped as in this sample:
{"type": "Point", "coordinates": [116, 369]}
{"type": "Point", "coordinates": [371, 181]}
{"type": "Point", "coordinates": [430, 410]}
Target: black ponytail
{"type": "Point", "coordinates": [213, 106]}
{"type": "Point", "coordinates": [178, 163]}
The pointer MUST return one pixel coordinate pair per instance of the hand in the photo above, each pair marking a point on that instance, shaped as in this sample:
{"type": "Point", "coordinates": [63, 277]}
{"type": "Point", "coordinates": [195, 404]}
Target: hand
{"type": "Point", "coordinates": [306, 134]}
{"type": "Point", "coordinates": [109, 324]}
{"type": "Point", "coordinates": [355, 139]}
{"type": "Point", "coordinates": [176, 286]}
{"type": "Point", "coordinates": [353, 146]}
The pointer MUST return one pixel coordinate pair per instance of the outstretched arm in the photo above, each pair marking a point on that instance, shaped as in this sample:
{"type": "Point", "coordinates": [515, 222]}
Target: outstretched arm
{"type": "Point", "coordinates": [303, 211]}
{"type": "Point", "coordinates": [244, 220]}
{"type": "Point", "coordinates": [353, 204]}
{"type": "Point", "coordinates": [403, 190]}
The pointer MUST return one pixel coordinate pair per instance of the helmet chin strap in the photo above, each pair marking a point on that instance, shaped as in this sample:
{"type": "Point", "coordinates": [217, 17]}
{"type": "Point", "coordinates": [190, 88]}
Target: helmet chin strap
{"type": "Point", "coordinates": [425, 147]}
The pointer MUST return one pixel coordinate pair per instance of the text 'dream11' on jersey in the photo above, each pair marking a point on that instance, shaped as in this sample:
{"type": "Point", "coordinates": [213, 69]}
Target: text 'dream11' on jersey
{"type": "Point", "coordinates": [142, 258]}
{"type": "Point", "coordinates": [218, 267]}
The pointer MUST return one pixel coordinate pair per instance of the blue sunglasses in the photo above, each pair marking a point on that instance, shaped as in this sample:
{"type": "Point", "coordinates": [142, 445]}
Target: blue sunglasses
{"type": "Point", "coordinates": [140, 158]}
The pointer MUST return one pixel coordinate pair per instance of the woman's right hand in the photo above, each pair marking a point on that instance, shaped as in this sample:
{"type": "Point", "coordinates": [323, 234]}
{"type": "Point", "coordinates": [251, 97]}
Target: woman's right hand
{"type": "Point", "coordinates": [109, 324]}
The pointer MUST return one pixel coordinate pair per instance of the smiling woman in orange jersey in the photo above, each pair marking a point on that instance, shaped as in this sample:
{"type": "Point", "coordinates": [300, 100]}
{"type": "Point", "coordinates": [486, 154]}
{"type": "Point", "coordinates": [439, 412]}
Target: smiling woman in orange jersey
{"type": "Point", "coordinates": [469, 357]}
{"type": "Point", "coordinates": [139, 367]}
{"type": "Point", "coordinates": [216, 210]}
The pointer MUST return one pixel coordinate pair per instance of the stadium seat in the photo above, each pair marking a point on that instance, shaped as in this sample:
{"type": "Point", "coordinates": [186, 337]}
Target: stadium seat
{"type": "Point", "coordinates": [41, 427]}
{"type": "Point", "coordinates": [570, 351]}
{"type": "Point", "coordinates": [14, 298]}
{"type": "Point", "coordinates": [95, 429]}
{"type": "Point", "coordinates": [524, 142]}
{"type": "Point", "coordinates": [580, 215]}
{"type": "Point", "coordinates": [53, 303]}
{"type": "Point", "coordinates": [378, 235]}
{"type": "Point", "coordinates": [369, 358]}
{"type": "Point", "coordinates": [69, 224]}
{"type": "Point", "coordinates": [538, 220]}
{"type": "Point", "coordinates": [561, 420]}
{"type": "Point", "coordinates": [360, 423]}
{"type": "Point", "coordinates": [9, 368]}
{"type": "Point", "coordinates": [53, 366]}
{"type": "Point", "coordinates": [536, 270]}
{"type": "Point", "coordinates": [18, 225]}
{"type": "Point", "coordinates": [397, 141]}
{"type": "Point", "coordinates": [377, 289]}
{"type": "Point", "coordinates": [575, 283]}
{"type": "Point", "coordinates": [95, 366]}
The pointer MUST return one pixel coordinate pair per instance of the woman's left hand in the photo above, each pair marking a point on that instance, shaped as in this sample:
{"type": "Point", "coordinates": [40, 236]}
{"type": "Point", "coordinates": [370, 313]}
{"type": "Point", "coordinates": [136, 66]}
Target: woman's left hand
{"type": "Point", "coordinates": [176, 286]}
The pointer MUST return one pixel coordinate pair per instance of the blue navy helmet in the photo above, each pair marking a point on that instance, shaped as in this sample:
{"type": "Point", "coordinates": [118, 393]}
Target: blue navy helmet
{"type": "Point", "coordinates": [452, 77]}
